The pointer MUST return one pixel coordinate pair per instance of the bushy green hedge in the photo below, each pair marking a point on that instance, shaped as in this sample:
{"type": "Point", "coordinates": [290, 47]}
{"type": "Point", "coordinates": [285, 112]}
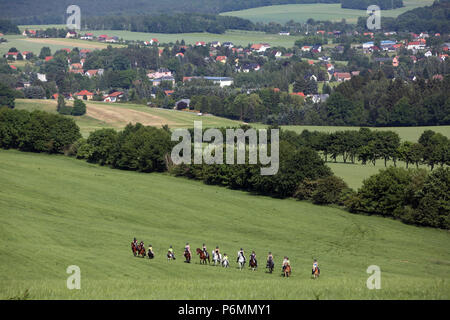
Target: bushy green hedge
{"type": "Point", "coordinates": [36, 131]}
{"type": "Point", "coordinates": [137, 148]}
{"type": "Point", "coordinates": [411, 195]}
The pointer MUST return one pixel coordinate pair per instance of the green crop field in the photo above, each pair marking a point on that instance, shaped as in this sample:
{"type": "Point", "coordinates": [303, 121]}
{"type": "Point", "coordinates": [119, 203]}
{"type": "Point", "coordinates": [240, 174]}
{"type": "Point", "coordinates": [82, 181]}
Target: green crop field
{"type": "Point", "coordinates": [238, 37]}
{"type": "Point", "coordinates": [57, 211]}
{"type": "Point", "coordinates": [35, 44]}
{"type": "Point", "coordinates": [319, 11]}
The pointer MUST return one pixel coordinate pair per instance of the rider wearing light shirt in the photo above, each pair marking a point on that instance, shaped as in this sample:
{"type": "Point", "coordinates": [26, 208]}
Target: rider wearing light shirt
{"type": "Point", "coordinates": [240, 253]}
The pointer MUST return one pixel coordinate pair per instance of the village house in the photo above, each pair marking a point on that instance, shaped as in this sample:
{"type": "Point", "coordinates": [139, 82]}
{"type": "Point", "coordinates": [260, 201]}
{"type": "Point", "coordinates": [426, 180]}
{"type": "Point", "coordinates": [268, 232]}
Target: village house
{"type": "Point", "coordinates": [84, 93]}
{"type": "Point", "coordinates": [113, 97]}
{"type": "Point", "coordinates": [87, 36]}
{"type": "Point", "coordinates": [222, 59]}
{"type": "Point", "coordinates": [71, 34]}
{"type": "Point", "coordinates": [317, 98]}
{"type": "Point", "coordinates": [250, 67]}
{"type": "Point", "coordinates": [12, 54]}
{"type": "Point", "coordinates": [215, 44]}
{"type": "Point", "coordinates": [416, 45]}
{"type": "Point", "coordinates": [200, 44]}
{"type": "Point", "coordinates": [182, 104]}
{"type": "Point", "coordinates": [342, 76]}
{"type": "Point", "coordinates": [260, 47]}
{"type": "Point", "coordinates": [41, 77]}
{"type": "Point", "coordinates": [29, 33]}
{"type": "Point", "coordinates": [228, 44]}
{"type": "Point", "coordinates": [162, 72]}
{"type": "Point", "coordinates": [158, 81]}
{"type": "Point", "coordinates": [284, 33]}
{"type": "Point", "coordinates": [94, 72]}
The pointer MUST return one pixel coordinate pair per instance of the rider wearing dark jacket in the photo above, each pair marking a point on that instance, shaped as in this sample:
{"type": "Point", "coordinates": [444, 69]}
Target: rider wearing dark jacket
{"type": "Point", "coordinates": [253, 256]}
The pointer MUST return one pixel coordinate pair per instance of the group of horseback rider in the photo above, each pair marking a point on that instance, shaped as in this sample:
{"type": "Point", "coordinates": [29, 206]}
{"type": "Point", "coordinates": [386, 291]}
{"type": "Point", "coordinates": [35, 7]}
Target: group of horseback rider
{"type": "Point", "coordinates": [139, 249]}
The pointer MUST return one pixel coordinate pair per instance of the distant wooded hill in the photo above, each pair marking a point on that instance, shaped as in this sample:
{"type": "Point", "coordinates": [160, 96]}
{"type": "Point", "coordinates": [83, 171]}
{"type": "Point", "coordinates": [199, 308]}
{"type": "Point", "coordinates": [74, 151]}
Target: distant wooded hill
{"type": "Point", "coordinates": [53, 11]}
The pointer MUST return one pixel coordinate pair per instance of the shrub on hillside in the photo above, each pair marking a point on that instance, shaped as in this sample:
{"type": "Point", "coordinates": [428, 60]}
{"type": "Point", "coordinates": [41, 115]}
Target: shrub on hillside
{"type": "Point", "coordinates": [413, 196]}
{"type": "Point", "coordinates": [37, 131]}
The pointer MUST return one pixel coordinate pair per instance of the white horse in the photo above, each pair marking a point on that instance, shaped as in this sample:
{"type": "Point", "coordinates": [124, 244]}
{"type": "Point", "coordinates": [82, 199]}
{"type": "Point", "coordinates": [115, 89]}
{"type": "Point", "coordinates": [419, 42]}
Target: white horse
{"type": "Point", "coordinates": [217, 258]}
{"type": "Point", "coordinates": [225, 263]}
{"type": "Point", "coordinates": [241, 261]}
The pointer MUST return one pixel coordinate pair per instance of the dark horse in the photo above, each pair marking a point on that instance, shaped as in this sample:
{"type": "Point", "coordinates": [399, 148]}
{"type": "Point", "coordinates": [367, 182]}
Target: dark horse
{"type": "Point", "coordinates": [150, 254]}
{"type": "Point", "coordinates": [270, 265]}
{"type": "Point", "coordinates": [187, 256]}
{"type": "Point", "coordinates": [203, 256]}
{"type": "Point", "coordinates": [134, 249]}
{"type": "Point", "coordinates": [141, 251]}
{"type": "Point", "coordinates": [252, 263]}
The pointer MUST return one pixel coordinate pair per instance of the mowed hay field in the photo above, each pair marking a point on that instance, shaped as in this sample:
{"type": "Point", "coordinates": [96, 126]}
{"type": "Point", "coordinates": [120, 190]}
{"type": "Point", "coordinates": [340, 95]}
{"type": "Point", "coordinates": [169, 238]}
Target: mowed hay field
{"type": "Point", "coordinates": [118, 115]}
{"type": "Point", "coordinates": [57, 211]}
{"type": "Point", "coordinates": [317, 11]}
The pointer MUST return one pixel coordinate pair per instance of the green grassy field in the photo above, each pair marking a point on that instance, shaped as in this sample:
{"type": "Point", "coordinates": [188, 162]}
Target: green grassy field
{"type": "Point", "coordinates": [35, 44]}
{"type": "Point", "coordinates": [57, 211]}
{"type": "Point", "coordinates": [319, 11]}
{"type": "Point", "coordinates": [238, 37]}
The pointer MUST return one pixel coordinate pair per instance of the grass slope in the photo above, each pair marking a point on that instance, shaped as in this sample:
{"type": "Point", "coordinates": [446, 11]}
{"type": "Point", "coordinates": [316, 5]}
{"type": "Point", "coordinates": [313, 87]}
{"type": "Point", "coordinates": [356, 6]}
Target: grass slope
{"type": "Point", "coordinates": [118, 115]}
{"type": "Point", "coordinates": [57, 211]}
{"type": "Point", "coordinates": [35, 44]}
{"type": "Point", "coordinates": [318, 11]}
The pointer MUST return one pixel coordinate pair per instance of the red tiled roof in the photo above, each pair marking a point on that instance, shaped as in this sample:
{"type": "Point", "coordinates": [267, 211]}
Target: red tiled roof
{"type": "Point", "coordinates": [115, 94]}
{"type": "Point", "coordinates": [48, 58]}
{"type": "Point", "coordinates": [84, 93]}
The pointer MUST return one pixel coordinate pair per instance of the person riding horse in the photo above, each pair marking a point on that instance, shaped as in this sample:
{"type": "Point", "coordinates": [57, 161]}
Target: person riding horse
{"type": "Point", "coordinates": [187, 252]}
{"type": "Point", "coordinates": [205, 251]}
{"type": "Point", "coordinates": [315, 269]}
{"type": "Point", "coordinates": [286, 265]}
{"type": "Point", "coordinates": [270, 264]}
{"type": "Point", "coordinates": [150, 253]}
{"type": "Point", "coordinates": [225, 262]}
{"type": "Point", "coordinates": [253, 258]}
{"type": "Point", "coordinates": [170, 254]}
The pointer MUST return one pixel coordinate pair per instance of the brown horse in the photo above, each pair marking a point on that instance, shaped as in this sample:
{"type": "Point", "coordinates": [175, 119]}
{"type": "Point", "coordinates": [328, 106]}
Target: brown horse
{"type": "Point", "coordinates": [141, 251]}
{"type": "Point", "coordinates": [134, 249]}
{"type": "Point", "coordinates": [252, 263]}
{"type": "Point", "coordinates": [187, 256]}
{"type": "Point", "coordinates": [203, 256]}
{"type": "Point", "coordinates": [316, 272]}
{"type": "Point", "coordinates": [287, 271]}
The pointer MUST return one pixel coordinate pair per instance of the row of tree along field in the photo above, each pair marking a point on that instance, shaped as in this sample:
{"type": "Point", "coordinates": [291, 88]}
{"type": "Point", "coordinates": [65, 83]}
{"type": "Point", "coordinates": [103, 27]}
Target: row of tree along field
{"type": "Point", "coordinates": [367, 146]}
{"type": "Point", "coordinates": [414, 196]}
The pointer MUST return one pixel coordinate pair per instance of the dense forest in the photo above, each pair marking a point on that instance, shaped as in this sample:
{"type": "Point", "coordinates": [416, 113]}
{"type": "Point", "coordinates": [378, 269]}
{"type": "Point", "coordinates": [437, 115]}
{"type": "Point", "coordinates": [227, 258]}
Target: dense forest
{"type": "Point", "coordinates": [7, 27]}
{"type": "Point", "coordinates": [176, 23]}
{"type": "Point", "coordinates": [54, 11]}
{"type": "Point", "coordinates": [434, 18]}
